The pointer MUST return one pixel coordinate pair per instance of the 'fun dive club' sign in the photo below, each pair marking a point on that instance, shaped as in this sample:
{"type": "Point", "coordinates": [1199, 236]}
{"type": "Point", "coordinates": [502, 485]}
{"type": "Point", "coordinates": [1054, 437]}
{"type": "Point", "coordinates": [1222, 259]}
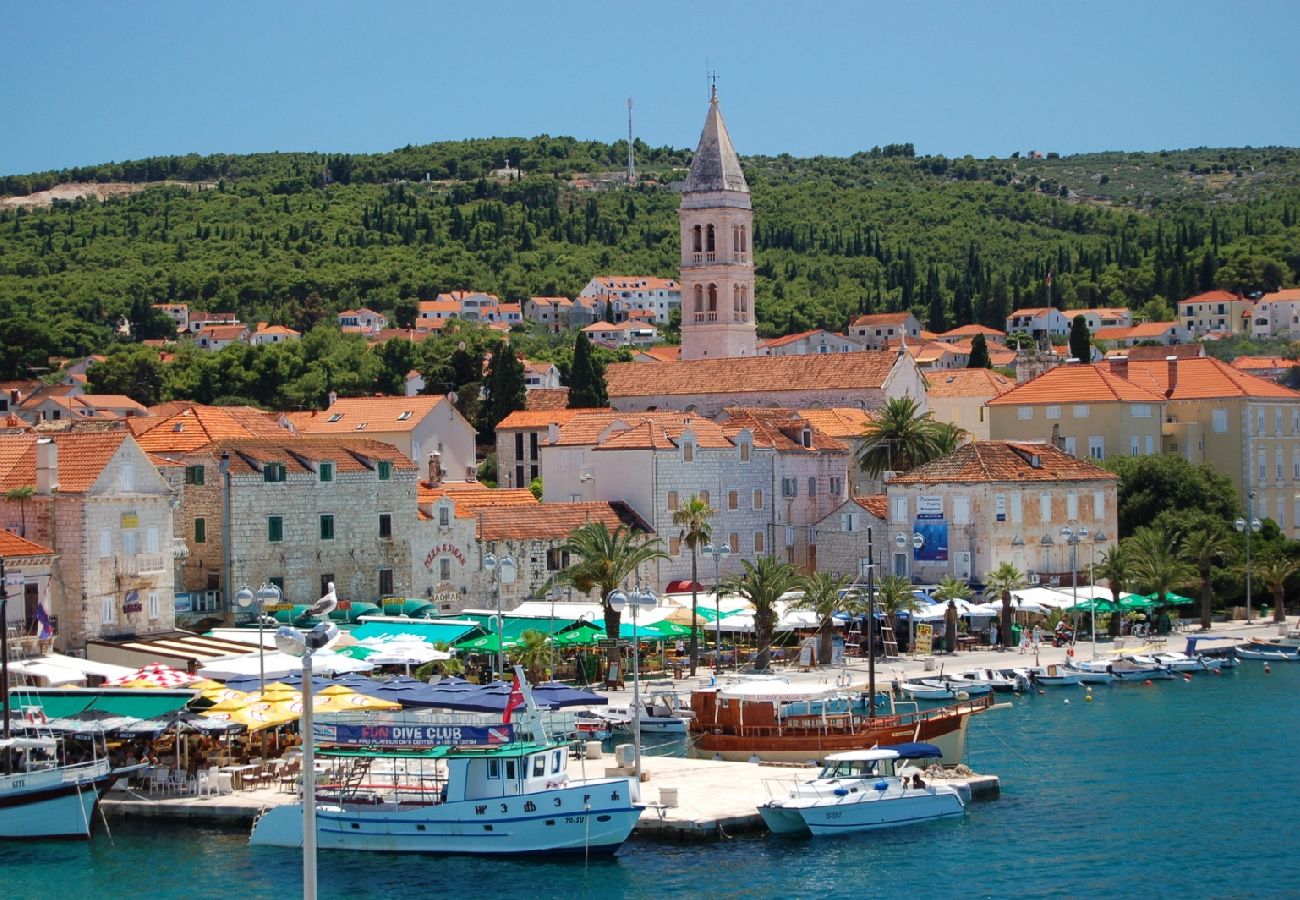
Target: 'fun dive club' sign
{"type": "Point", "coordinates": [413, 735]}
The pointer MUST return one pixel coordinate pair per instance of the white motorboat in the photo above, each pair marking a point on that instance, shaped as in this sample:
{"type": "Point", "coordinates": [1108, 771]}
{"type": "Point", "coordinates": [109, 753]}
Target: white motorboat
{"type": "Point", "coordinates": [1181, 662]}
{"type": "Point", "coordinates": [662, 712]}
{"type": "Point", "coordinates": [999, 682]}
{"type": "Point", "coordinates": [1125, 669]}
{"type": "Point", "coordinates": [1094, 672]}
{"type": "Point", "coordinates": [862, 790]}
{"type": "Point", "coordinates": [1057, 676]}
{"type": "Point", "coordinates": [943, 689]}
{"type": "Point", "coordinates": [47, 797]}
{"type": "Point", "coordinates": [1256, 651]}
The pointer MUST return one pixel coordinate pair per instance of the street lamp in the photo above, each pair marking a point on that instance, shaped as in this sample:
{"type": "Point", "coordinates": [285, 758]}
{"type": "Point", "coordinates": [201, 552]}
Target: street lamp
{"type": "Point", "coordinates": [1255, 526]}
{"type": "Point", "coordinates": [293, 642]}
{"type": "Point", "coordinates": [719, 553]}
{"type": "Point", "coordinates": [266, 594]}
{"type": "Point", "coordinates": [1072, 537]}
{"type": "Point", "coordinates": [504, 571]}
{"type": "Point", "coordinates": [634, 602]}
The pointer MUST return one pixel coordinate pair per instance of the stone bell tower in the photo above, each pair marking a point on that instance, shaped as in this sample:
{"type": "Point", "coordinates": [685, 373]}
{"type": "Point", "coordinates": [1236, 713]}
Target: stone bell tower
{"type": "Point", "coordinates": [717, 271]}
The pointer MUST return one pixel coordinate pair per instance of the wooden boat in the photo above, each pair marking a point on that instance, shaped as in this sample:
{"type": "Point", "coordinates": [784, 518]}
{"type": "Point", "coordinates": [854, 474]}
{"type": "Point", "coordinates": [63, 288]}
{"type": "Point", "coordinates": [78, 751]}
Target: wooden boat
{"type": "Point", "coordinates": [743, 722]}
{"type": "Point", "coordinates": [47, 797]}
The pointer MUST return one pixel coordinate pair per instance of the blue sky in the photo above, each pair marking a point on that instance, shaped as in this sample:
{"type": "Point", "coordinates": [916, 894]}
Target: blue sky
{"type": "Point", "coordinates": [86, 83]}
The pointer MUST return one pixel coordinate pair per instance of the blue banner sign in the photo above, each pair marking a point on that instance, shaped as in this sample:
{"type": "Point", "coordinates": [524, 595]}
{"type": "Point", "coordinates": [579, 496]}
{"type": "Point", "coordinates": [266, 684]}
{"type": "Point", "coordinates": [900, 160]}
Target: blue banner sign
{"type": "Point", "coordinates": [413, 735]}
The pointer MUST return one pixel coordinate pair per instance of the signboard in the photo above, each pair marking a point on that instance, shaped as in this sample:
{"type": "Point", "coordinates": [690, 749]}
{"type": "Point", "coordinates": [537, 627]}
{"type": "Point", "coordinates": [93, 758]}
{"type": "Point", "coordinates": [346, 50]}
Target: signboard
{"type": "Point", "coordinates": [930, 507]}
{"type": "Point", "coordinates": [1000, 507]}
{"type": "Point", "coordinates": [413, 735]}
{"type": "Point", "coordinates": [924, 639]}
{"type": "Point", "coordinates": [444, 549]}
{"type": "Point", "coordinates": [131, 602]}
{"type": "Point", "coordinates": [278, 607]}
{"type": "Point", "coordinates": [130, 520]}
{"type": "Point", "coordinates": [609, 644]}
{"type": "Point", "coordinates": [807, 653]}
{"type": "Point", "coordinates": [184, 602]}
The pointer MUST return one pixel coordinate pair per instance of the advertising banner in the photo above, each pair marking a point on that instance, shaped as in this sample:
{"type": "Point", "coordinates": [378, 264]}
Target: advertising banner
{"type": "Point", "coordinates": [413, 735]}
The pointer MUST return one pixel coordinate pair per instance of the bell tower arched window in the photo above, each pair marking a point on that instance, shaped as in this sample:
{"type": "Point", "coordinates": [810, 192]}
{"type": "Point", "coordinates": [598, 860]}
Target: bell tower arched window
{"type": "Point", "coordinates": [713, 298]}
{"type": "Point", "coordinates": [699, 298]}
{"type": "Point", "coordinates": [710, 243]}
{"type": "Point", "coordinates": [697, 239]}
{"type": "Point", "coordinates": [735, 298]}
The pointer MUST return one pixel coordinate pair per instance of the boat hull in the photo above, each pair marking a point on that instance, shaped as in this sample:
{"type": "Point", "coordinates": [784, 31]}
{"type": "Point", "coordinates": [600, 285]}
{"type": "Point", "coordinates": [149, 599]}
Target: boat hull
{"type": "Point", "coordinates": [782, 821]}
{"type": "Point", "coordinates": [592, 818]}
{"type": "Point", "coordinates": [891, 808]}
{"type": "Point", "coordinates": [51, 805]}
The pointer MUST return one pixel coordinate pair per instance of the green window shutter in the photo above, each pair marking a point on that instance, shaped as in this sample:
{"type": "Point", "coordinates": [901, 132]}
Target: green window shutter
{"type": "Point", "coordinates": [200, 531]}
{"type": "Point", "coordinates": [385, 470]}
{"type": "Point", "coordinates": [275, 528]}
{"type": "Point", "coordinates": [327, 471]}
{"type": "Point", "coordinates": [327, 528]}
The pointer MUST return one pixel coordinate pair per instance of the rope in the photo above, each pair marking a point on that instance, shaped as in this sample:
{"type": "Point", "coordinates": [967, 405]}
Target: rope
{"type": "Point", "coordinates": [1002, 741]}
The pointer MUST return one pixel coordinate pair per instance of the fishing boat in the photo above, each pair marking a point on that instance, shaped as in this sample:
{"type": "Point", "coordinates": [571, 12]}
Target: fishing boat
{"type": "Point", "coordinates": [943, 689]}
{"type": "Point", "coordinates": [756, 720]}
{"type": "Point", "coordinates": [1255, 651]}
{"type": "Point", "coordinates": [44, 795]}
{"type": "Point", "coordinates": [863, 790]}
{"type": "Point", "coordinates": [1125, 669]}
{"type": "Point", "coordinates": [1091, 672]}
{"type": "Point", "coordinates": [1056, 676]}
{"type": "Point", "coordinates": [1000, 682]}
{"type": "Point", "coordinates": [1181, 662]}
{"type": "Point", "coordinates": [662, 712]}
{"type": "Point", "coordinates": [465, 789]}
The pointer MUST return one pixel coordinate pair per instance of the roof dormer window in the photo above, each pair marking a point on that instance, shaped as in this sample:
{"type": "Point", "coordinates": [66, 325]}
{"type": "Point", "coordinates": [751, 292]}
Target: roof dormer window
{"type": "Point", "coordinates": [404, 416]}
{"type": "Point", "coordinates": [361, 426]}
{"type": "Point", "coordinates": [805, 438]}
{"type": "Point", "coordinates": [336, 417]}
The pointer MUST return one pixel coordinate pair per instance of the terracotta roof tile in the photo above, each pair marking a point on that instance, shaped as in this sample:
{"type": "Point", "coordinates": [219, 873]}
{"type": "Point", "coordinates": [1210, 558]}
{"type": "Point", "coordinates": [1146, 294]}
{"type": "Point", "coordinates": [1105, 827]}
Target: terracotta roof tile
{"type": "Point", "coordinates": [1077, 383]}
{"type": "Point", "coordinates": [247, 455]}
{"type": "Point", "coordinates": [1211, 297]}
{"type": "Point", "coordinates": [376, 414]}
{"type": "Point", "coordinates": [876, 504]}
{"type": "Point", "coordinates": [968, 383]}
{"type": "Point", "coordinates": [780, 429]}
{"type": "Point", "coordinates": [82, 457]}
{"type": "Point", "coordinates": [1251, 363]}
{"type": "Point", "coordinates": [1205, 377]}
{"type": "Point", "coordinates": [532, 419]}
{"type": "Point", "coordinates": [1289, 295]}
{"type": "Point", "coordinates": [664, 353]}
{"type": "Point", "coordinates": [593, 427]}
{"type": "Point", "coordinates": [888, 318]}
{"type": "Point", "coordinates": [197, 426]}
{"type": "Point", "coordinates": [554, 521]}
{"type": "Point", "coordinates": [838, 421]}
{"type": "Point", "coordinates": [969, 331]}
{"type": "Point", "coordinates": [13, 545]}
{"type": "Point", "coordinates": [469, 497]}
{"type": "Point", "coordinates": [1141, 331]}
{"type": "Point", "coordinates": [752, 374]}
{"type": "Point", "coordinates": [549, 399]}
{"type": "Point", "coordinates": [989, 461]}
{"type": "Point", "coordinates": [1183, 351]}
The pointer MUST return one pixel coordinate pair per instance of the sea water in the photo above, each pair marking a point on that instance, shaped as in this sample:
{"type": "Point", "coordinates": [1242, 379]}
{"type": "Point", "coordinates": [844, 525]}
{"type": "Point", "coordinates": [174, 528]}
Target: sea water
{"type": "Point", "coordinates": [1178, 789]}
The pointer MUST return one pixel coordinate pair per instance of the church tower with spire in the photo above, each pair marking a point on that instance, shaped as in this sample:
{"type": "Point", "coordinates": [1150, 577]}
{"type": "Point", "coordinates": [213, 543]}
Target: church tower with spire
{"type": "Point", "coordinates": [717, 271]}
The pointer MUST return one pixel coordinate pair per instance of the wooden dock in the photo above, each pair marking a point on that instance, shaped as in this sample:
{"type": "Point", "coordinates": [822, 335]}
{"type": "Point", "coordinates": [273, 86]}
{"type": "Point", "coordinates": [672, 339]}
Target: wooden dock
{"type": "Point", "coordinates": [688, 800]}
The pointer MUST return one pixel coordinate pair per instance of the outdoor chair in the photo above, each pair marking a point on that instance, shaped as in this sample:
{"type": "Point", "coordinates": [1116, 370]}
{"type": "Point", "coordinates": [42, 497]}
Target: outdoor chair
{"type": "Point", "coordinates": [225, 784]}
{"type": "Point", "coordinates": [205, 782]}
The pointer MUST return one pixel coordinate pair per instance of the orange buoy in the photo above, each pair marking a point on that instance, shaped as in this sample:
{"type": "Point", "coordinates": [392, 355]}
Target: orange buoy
{"type": "Point", "coordinates": [1268, 670]}
{"type": "Point", "coordinates": [1187, 676]}
{"type": "Point", "coordinates": [1147, 682]}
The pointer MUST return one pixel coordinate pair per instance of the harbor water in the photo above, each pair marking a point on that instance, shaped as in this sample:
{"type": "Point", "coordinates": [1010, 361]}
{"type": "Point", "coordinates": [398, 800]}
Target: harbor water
{"type": "Point", "coordinates": [1178, 789]}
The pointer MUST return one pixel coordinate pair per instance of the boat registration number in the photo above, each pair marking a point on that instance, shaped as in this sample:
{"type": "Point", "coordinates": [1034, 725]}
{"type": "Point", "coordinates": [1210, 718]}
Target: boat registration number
{"type": "Point", "coordinates": [574, 820]}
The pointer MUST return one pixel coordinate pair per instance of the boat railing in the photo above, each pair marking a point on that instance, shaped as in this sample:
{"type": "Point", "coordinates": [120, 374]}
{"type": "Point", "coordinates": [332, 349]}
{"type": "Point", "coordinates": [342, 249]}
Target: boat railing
{"type": "Point", "coordinates": [852, 723]}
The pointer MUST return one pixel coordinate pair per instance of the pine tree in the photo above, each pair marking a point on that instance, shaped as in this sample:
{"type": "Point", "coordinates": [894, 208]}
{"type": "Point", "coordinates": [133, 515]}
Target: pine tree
{"type": "Point", "coordinates": [586, 378]}
{"type": "Point", "coordinates": [505, 387]}
{"type": "Point", "coordinates": [1080, 340]}
{"type": "Point", "coordinates": [979, 354]}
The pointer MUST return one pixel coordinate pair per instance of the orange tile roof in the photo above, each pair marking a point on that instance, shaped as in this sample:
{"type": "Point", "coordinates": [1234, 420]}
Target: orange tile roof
{"type": "Point", "coordinates": [1141, 331]}
{"type": "Point", "coordinates": [275, 329]}
{"type": "Point", "coordinates": [1212, 297]}
{"type": "Point", "coordinates": [888, 318]}
{"type": "Point", "coordinates": [588, 427]}
{"type": "Point", "coordinates": [838, 421]}
{"type": "Point", "coordinates": [663, 353]}
{"type": "Point", "coordinates": [532, 419]}
{"type": "Point", "coordinates": [459, 296]}
{"type": "Point", "coordinates": [552, 301]}
{"type": "Point", "coordinates": [295, 451]}
{"type": "Point", "coordinates": [752, 374]}
{"type": "Point", "coordinates": [469, 497]}
{"type": "Point", "coordinates": [222, 332]}
{"type": "Point", "coordinates": [968, 383]}
{"type": "Point", "coordinates": [1143, 353]}
{"type": "Point", "coordinates": [554, 521]}
{"type": "Point", "coordinates": [972, 330]}
{"type": "Point", "coordinates": [1205, 377]}
{"type": "Point", "coordinates": [13, 545]}
{"type": "Point", "coordinates": [377, 414]}
{"type": "Point", "coordinates": [780, 429]}
{"type": "Point", "coordinates": [546, 399]}
{"type": "Point", "coordinates": [635, 283]}
{"type": "Point", "coordinates": [1289, 295]}
{"type": "Point", "coordinates": [1077, 383]}
{"type": "Point", "coordinates": [1249, 363]}
{"type": "Point", "coordinates": [989, 461]}
{"type": "Point", "coordinates": [791, 338]}
{"type": "Point", "coordinates": [433, 306]}
{"type": "Point", "coordinates": [875, 504]}
{"type": "Point", "coordinates": [82, 457]}
{"type": "Point", "coordinates": [197, 426]}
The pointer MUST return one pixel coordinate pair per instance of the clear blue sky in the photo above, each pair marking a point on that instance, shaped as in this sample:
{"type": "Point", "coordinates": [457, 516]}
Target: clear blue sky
{"type": "Point", "coordinates": [92, 82]}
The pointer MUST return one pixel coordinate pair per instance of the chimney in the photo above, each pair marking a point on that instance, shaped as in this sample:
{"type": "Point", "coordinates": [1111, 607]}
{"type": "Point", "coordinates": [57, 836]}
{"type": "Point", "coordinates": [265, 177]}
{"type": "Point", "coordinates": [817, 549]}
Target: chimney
{"type": "Point", "coordinates": [1172, 363]}
{"type": "Point", "coordinates": [47, 467]}
{"type": "Point", "coordinates": [552, 432]}
{"type": "Point", "coordinates": [435, 469]}
{"type": "Point", "coordinates": [1057, 441]}
{"type": "Point", "coordinates": [334, 398]}
{"type": "Point", "coordinates": [1119, 367]}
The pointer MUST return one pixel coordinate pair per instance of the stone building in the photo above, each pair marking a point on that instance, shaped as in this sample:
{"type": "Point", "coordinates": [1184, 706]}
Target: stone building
{"type": "Point", "coordinates": [100, 504]}
{"type": "Point", "coordinates": [854, 532]}
{"type": "Point", "coordinates": [299, 512]}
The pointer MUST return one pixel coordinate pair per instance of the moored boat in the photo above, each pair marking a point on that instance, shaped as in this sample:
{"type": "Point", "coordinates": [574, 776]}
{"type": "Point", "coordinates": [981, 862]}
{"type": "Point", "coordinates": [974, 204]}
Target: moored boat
{"type": "Point", "coordinates": [1255, 651]}
{"type": "Point", "coordinates": [1000, 682]}
{"type": "Point", "coordinates": [47, 797]}
{"type": "Point", "coordinates": [862, 790]}
{"type": "Point", "coordinates": [742, 722]}
{"type": "Point", "coordinates": [1056, 676]}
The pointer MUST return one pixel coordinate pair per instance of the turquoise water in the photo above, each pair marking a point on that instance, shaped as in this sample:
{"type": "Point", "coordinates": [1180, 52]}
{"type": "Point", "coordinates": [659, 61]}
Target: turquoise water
{"type": "Point", "coordinates": [1174, 790]}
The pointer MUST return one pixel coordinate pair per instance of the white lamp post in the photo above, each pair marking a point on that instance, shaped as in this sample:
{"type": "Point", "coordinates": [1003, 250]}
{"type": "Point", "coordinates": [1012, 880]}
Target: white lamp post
{"type": "Point", "coordinates": [634, 602]}
{"type": "Point", "coordinates": [293, 642]}
{"type": "Point", "coordinates": [1072, 537]}
{"type": "Point", "coordinates": [1255, 526]}
{"type": "Point", "coordinates": [266, 594]}
{"type": "Point", "coordinates": [719, 553]}
{"type": "Point", "coordinates": [503, 570]}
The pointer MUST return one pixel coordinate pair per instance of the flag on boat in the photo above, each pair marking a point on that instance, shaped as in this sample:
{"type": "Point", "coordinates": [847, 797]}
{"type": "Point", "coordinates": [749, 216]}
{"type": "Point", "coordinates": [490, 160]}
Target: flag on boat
{"type": "Point", "coordinates": [516, 700]}
{"type": "Point", "coordinates": [44, 628]}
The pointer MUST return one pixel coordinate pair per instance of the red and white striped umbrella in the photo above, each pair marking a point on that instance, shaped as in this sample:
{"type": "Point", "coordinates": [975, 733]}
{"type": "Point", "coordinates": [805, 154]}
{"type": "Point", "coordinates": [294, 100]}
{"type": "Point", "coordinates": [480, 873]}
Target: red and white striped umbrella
{"type": "Point", "coordinates": [154, 675]}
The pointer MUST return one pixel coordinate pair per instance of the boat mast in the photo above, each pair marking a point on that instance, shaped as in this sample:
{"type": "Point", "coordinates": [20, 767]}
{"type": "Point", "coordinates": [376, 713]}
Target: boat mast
{"type": "Point", "coordinates": [871, 628]}
{"type": "Point", "coordinates": [4, 660]}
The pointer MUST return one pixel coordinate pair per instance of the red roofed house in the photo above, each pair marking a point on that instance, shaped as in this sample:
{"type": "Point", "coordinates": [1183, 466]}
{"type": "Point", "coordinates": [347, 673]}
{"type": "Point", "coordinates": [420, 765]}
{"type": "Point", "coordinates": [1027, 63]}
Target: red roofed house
{"type": "Point", "coordinates": [1165, 333]}
{"type": "Point", "coordinates": [845, 535]}
{"type": "Point", "coordinates": [1274, 368]}
{"type": "Point", "coordinates": [1039, 323]}
{"type": "Point", "coordinates": [819, 340]}
{"type": "Point", "coordinates": [217, 337]}
{"type": "Point", "coordinates": [1103, 317]}
{"type": "Point", "coordinates": [28, 571]}
{"type": "Point", "coordinates": [100, 504]}
{"type": "Point", "coordinates": [878, 331]}
{"type": "Point", "coordinates": [551, 312]}
{"type": "Point", "coordinates": [958, 396]}
{"type": "Point", "coordinates": [362, 321]}
{"type": "Point", "coordinates": [1277, 314]}
{"type": "Point", "coordinates": [273, 334]}
{"type": "Point", "coordinates": [659, 296]}
{"type": "Point", "coordinates": [1216, 312]}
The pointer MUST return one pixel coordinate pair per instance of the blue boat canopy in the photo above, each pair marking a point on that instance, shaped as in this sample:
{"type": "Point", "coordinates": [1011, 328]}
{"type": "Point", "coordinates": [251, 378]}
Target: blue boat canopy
{"type": "Point", "coordinates": [915, 751]}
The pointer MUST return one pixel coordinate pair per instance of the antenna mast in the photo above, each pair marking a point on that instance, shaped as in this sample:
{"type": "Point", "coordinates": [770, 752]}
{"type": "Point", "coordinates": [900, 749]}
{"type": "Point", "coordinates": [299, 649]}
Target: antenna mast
{"type": "Point", "coordinates": [631, 159]}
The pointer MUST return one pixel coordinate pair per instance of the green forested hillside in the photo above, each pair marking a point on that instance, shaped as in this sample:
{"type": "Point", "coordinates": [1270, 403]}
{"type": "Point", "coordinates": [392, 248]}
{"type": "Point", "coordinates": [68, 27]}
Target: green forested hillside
{"type": "Point", "coordinates": [290, 238]}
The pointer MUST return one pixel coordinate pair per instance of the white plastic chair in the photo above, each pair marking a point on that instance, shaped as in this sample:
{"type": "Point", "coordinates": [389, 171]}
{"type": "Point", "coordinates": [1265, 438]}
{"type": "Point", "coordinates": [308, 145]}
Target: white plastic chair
{"type": "Point", "coordinates": [225, 783]}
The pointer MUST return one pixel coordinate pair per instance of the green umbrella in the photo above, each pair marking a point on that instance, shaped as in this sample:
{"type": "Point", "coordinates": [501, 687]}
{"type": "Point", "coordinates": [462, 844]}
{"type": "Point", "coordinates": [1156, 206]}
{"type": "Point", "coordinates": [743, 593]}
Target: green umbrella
{"type": "Point", "coordinates": [1171, 599]}
{"type": "Point", "coordinates": [1136, 601]}
{"type": "Point", "coordinates": [1099, 604]}
{"type": "Point", "coordinates": [579, 637]}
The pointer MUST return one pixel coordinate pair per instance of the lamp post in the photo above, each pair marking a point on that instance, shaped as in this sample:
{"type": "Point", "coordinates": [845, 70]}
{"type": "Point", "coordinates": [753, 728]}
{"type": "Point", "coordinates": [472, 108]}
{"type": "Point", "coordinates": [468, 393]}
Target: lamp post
{"type": "Point", "coordinates": [719, 553]}
{"type": "Point", "coordinates": [293, 642]}
{"type": "Point", "coordinates": [503, 570]}
{"type": "Point", "coordinates": [1255, 525]}
{"type": "Point", "coordinates": [634, 602]}
{"type": "Point", "coordinates": [267, 593]}
{"type": "Point", "coordinates": [1072, 537]}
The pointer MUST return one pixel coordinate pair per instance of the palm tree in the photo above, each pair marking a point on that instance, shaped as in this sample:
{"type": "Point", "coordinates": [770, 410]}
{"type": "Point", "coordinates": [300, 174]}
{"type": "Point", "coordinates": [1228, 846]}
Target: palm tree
{"type": "Point", "coordinates": [821, 594]}
{"type": "Point", "coordinates": [693, 519]}
{"type": "Point", "coordinates": [899, 438]}
{"type": "Point", "coordinates": [1001, 582]}
{"type": "Point", "coordinates": [533, 653]}
{"type": "Point", "coordinates": [951, 589]}
{"type": "Point", "coordinates": [1274, 569]}
{"type": "Point", "coordinates": [1202, 549]}
{"type": "Point", "coordinates": [762, 583]}
{"type": "Point", "coordinates": [948, 436]}
{"type": "Point", "coordinates": [895, 595]}
{"type": "Point", "coordinates": [1157, 565]}
{"type": "Point", "coordinates": [604, 560]}
{"type": "Point", "coordinates": [441, 667]}
{"type": "Point", "coordinates": [1116, 568]}
{"type": "Point", "coordinates": [22, 495]}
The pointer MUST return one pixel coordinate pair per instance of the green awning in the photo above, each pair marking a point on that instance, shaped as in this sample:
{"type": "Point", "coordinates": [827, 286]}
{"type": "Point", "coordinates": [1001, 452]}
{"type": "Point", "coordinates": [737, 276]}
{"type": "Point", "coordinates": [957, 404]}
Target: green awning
{"type": "Point", "coordinates": [1171, 599]}
{"type": "Point", "coordinates": [55, 706]}
{"type": "Point", "coordinates": [141, 704]}
{"type": "Point", "coordinates": [1099, 605]}
{"type": "Point", "coordinates": [354, 610]}
{"type": "Point", "coordinates": [429, 630]}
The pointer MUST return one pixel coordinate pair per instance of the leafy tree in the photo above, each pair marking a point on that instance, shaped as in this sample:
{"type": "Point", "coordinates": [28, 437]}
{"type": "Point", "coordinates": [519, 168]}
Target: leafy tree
{"type": "Point", "coordinates": [135, 371]}
{"type": "Point", "coordinates": [535, 488]}
{"type": "Point", "coordinates": [822, 594]}
{"type": "Point", "coordinates": [1203, 548]}
{"type": "Point", "coordinates": [900, 438]}
{"type": "Point", "coordinates": [1150, 485]}
{"type": "Point", "coordinates": [762, 583]}
{"type": "Point", "coordinates": [1000, 583]}
{"type": "Point", "coordinates": [604, 560]}
{"type": "Point", "coordinates": [21, 495]}
{"type": "Point", "coordinates": [692, 518]}
{"type": "Point", "coordinates": [587, 378]}
{"type": "Point", "coordinates": [534, 653]}
{"type": "Point", "coordinates": [1157, 565]}
{"type": "Point", "coordinates": [1080, 340]}
{"type": "Point", "coordinates": [979, 354]}
{"type": "Point", "coordinates": [440, 667]}
{"type": "Point", "coordinates": [1275, 570]}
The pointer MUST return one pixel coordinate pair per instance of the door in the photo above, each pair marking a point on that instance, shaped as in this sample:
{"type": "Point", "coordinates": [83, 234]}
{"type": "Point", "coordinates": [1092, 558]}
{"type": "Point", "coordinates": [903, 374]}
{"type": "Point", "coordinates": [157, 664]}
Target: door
{"type": "Point", "coordinates": [961, 564]}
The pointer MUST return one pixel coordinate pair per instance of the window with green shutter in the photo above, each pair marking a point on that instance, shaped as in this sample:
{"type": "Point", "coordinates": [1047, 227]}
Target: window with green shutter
{"type": "Point", "coordinates": [385, 470]}
{"type": "Point", "coordinates": [200, 531]}
{"type": "Point", "coordinates": [326, 471]}
{"type": "Point", "coordinates": [327, 528]}
{"type": "Point", "coordinates": [194, 475]}
{"type": "Point", "coordinates": [275, 529]}
{"type": "Point", "coordinates": [273, 472]}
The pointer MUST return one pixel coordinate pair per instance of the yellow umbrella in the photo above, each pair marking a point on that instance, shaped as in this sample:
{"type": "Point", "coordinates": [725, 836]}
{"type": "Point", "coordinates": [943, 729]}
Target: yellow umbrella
{"type": "Point", "coordinates": [277, 695]}
{"type": "Point", "coordinates": [206, 684]}
{"type": "Point", "coordinates": [280, 686]}
{"type": "Point", "coordinates": [351, 701]}
{"type": "Point", "coordinates": [230, 705]}
{"type": "Point", "coordinates": [261, 716]}
{"type": "Point", "coordinates": [221, 694]}
{"type": "Point", "coordinates": [334, 690]}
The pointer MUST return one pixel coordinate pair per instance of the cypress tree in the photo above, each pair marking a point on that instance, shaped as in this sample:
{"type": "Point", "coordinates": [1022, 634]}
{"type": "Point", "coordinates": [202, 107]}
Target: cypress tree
{"type": "Point", "coordinates": [586, 378]}
{"type": "Point", "coordinates": [505, 385]}
{"type": "Point", "coordinates": [979, 354]}
{"type": "Point", "coordinates": [1080, 340]}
